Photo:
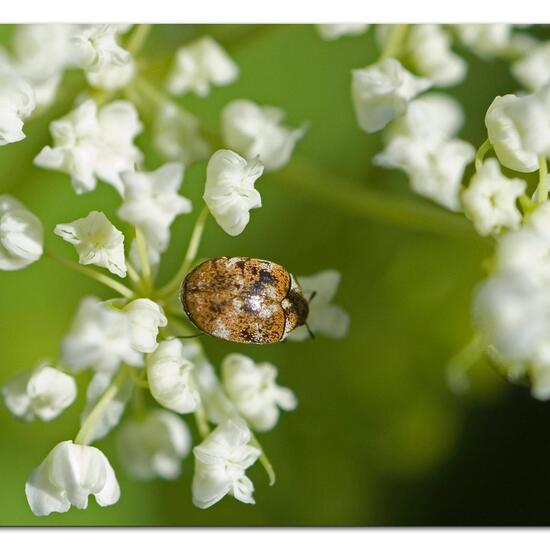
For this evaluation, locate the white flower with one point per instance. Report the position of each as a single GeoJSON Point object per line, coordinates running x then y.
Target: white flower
{"type": "Point", "coordinates": [97, 242]}
{"type": "Point", "coordinates": [253, 389]}
{"type": "Point", "coordinates": [145, 317]}
{"type": "Point", "coordinates": [324, 317]}
{"type": "Point", "coordinates": [200, 65]}
{"type": "Point", "coordinates": [381, 92]}
{"type": "Point", "coordinates": [17, 102]}
{"type": "Point", "coordinates": [88, 144]}
{"type": "Point", "coordinates": [176, 135]}
{"type": "Point", "coordinates": [43, 392]}
{"type": "Point", "coordinates": [113, 411]}
{"type": "Point", "coordinates": [229, 191]}
{"type": "Point", "coordinates": [112, 77]}
{"type": "Point", "coordinates": [255, 131]}
{"type": "Point", "coordinates": [221, 461]}
{"type": "Point", "coordinates": [486, 40]}
{"type": "Point", "coordinates": [96, 47]}
{"type": "Point", "coordinates": [170, 378]}
{"type": "Point", "coordinates": [68, 476]}
{"type": "Point", "coordinates": [21, 236]}
{"type": "Point", "coordinates": [533, 70]}
{"type": "Point", "coordinates": [154, 445]}
{"type": "Point", "coordinates": [435, 169]}
{"type": "Point", "coordinates": [428, 47]}
{"type": "Point", "coordinates": [100, 338]}
{"type": "Point", "coordinates": [519, 129]}
{"type": "Point", "coordinates": [490, 200]}
{"type": "Point", "coordinates": [332, 31]}
{"type": "Point", "coordinates": [151, 202]}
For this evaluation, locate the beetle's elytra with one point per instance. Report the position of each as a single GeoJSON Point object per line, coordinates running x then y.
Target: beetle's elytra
{"type": "Point", "coordinates": [243, 300]}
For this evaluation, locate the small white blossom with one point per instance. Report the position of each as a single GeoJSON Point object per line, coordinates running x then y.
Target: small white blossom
{"type": "Point", "coordinates": [490, 199]}
{"type": "Point", "coordinates": [169, 374]}
{"type": "Point", "coordinates": [229, 191]}
{"type": "Point", "coordinates": [486, 40]}
{"type": "Point", "coordinates": [435, 170]}
{"type": "Point", "coordinates": [113, 411]}
{"type": "Point", "coordinates": [21, 236]}
{"type": "Point", "coordinates": [533, 70]}
{"type": "Point", "coordinates": [253, 390]}
{"type": "Point", "coordinates": [255, 131]}
{"type": "Point", "coordinates": [151, 202]}
{"type": "Point", "coordinates": [90, 144]}
{"type": "Point", "coordinates": [519, 129]}
{"type": "Point", "coordinates": [200, 65]}
{"type": "Point", "coordinates": [43, 392]}
{"type": "Point", "coordinates": [112, 77]}
{"type": "Point", "coordinates": [17, 102]}
{"type": "Point", "coordinates": [96, 47]}
{"type": "Point", "coordinates": [97, 242]}
{"type": "Point", "coordinates": [68, 476]}
{"type": "Point", "coordinates": [428, 47]}
{"type": "Point", "coordinates": [100, 338]}
{"type": "Point", "coordinates": [221, 461]}
{"type": "Point", "coordinates": [176, 134]}
{"type": "Point", "coordinates": [381, 92]}
{"type": "Point", "coordinates": [332, 31]}
{"type": "Point", "coordinates": [145, 317]}
{"type": "Point", "coordinates": [324, 317]}
{"type": "Point", "coordinates": [154, 445]}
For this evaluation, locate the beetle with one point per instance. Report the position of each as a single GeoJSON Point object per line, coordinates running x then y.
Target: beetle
{"type": "Point", "coordinates": [243, 300]}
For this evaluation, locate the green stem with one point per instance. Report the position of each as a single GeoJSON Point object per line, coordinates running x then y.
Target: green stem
{"type": "Point", "coordinates": [315, 184]}
{"type": "Point", "coordinates": [268, 467]}
{"type": "Point", "coordinates": [202, 421]}
{"type": "Point", "coordinates": [190, 255]}
{"type": "Point", "coordinates": [461, 363]}
{"type": "Point", "coordinates": [99, 277]}
{"type": "Point", "coordinates": [144, 259]}
{"type": "Point", "coordinates": [395, 41]}
{"type": "Point", "coordinates": [137, 38]}
{"type": "Point", "coordinates": [484, 148]}
{"type": "Point", "coordinates": [86, 430]}
{"type": "Point", "coordinates": [542, 189]}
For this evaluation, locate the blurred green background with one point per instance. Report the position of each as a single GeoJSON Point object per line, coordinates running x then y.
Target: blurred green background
{"type": "Point", "coordinates": [378, 438]}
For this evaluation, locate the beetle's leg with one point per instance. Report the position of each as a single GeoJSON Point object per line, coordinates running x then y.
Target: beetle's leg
{"type": "Point", "coordinates": [198, 335]}
{"type": "Point", "coordinates": [310, 332]}
{"type": "Point", "coordinates": [313, 294]}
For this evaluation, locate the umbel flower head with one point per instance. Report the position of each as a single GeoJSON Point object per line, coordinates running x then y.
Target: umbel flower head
{"type": "Point", "coordinates": [229, 191]}
{"type": "Point", "coordinates": [21, 239]}
{"type": "Point", "coordinates": [68, 476]}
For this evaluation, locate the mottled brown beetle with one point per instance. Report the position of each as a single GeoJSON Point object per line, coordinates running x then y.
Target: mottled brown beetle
{"type": "Point", "coordinates": [243, 300]}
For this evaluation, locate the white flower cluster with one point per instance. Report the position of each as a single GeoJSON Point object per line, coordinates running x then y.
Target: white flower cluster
{"type": "Point", "coordinates": [131, 343]}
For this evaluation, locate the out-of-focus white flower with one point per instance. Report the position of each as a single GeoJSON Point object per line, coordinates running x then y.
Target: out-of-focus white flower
{"type": "Point", "coordinates": [253, 389]}
{"type": "Point", "coordinates": [435, 170]}
{"type": "Point", "coordinates": [96, 47]}
{"type": "Point", "coordinates": [151, 202]}
{"type": "Point", "coordinates": [88, 144]}
{"type": "Point", "coordinates": [533, 70]}
{"type": "Point", "coordinates": [200, 65]}
{"type": "Point", "coordinates": [324, 317]}
{"type": "Point", "coordinates": [429, 49]}
{"type": "Point", "coordinates": [112, 412]}
{"type": "Point", "coordinates": [43, 392]}
{"type": "Point", "coordinates": [97, 242]}
{"type": "Point", "coordinates": [169, 374]}
{"type": "Point", "coordinates": [221, 461]}
{"type": "Point", "coordinates": [176, 134]}
{"type": "Point", "coordinates": [332, 31]}
{"type": "Point", "coordinates": [100, 338]}
{"type": "Point", "coordinates": [68, 476]}
{"type": "Point", "coordinates": [486, 40]}
{"type": "Point", "coordinates": [21, 235]}
{"type": "Point", "coordinates": [255, 131]}
{"type": "Point", "coordinates": [154, 446]}
{"type": "Point", "coordinates": [381, 92]}
{"type": "Point", "coordinates": [145, 318]}
{"type": "Point", "coordinates": [490, 199]}
{"type": "Point", "coordinates": [17, 102]}
{"type": "Point", "coordinates": [112, 77]}
{"type": "Point", "coordinates": [229, 191]}
{"type": "Point", "coordinates": [519, 129]}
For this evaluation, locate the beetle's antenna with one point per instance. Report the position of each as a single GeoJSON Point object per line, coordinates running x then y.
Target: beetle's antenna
{"type": "Point", "coordinates": [313, 294]}
{"type": "Point", "coordinates": [310, 332]}
{"type": "Point", "coordinates": [198, 335]}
